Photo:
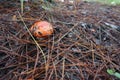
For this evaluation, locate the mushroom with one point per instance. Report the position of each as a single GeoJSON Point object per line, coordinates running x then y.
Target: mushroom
{"type": "Point", "coordinates": [41, 29]}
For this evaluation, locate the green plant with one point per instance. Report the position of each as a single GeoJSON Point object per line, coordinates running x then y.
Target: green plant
{"type": "Point", "coordinates": [113, 72]}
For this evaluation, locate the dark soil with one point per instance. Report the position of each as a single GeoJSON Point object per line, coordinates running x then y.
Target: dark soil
{"type": "Point", "coordinates": [85, 43]}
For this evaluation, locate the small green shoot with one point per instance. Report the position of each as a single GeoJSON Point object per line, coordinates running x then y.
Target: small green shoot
{"type": "Point", "coordinates": [113, 72]}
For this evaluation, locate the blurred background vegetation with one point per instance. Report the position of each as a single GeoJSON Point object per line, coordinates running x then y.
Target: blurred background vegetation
{"type": "Point", "coordinates": [109, 2]}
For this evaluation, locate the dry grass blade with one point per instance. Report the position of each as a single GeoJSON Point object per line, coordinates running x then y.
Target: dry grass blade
{"type": "Point", "coordinates": [33, 37]}
{"type": "Point", "coordinates": [63, 69]}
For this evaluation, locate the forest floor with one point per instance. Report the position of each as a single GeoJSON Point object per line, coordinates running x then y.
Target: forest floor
{"type": "Point", "coordinates": [85, 43]}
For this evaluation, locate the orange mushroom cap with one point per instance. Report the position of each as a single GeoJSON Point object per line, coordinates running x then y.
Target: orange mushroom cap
{"type": "Point", "coordinates": [41, 29]}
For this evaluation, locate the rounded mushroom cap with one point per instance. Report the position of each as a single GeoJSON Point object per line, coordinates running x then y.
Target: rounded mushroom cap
{"type": "Point", "coordinates": [41, 29]}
